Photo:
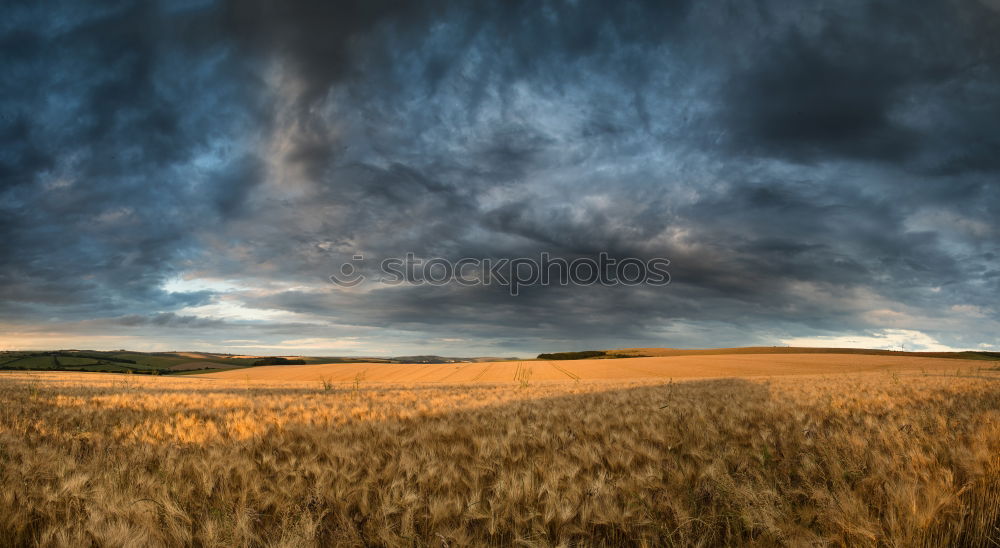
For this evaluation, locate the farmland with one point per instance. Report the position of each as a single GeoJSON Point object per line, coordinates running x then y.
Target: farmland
{"type": "Point", "coordinates": [173, 363]}
{"type": "Point", "coordinates": [650, 368]}
{"type": "Point", "coordinates": [118, 361]}
{"type": "Point", "coordinates": [876, 452]}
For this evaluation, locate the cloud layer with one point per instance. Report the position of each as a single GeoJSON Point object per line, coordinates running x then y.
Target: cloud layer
{"type": "Point", "coordinates": [183, 174]}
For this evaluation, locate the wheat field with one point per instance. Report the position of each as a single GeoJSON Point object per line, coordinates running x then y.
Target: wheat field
{"type": "Point", "coordinates": [649, 368]}
{"type": "Point", "coordinates": [889, 458]}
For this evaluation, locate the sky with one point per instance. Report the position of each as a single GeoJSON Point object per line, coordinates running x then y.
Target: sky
{"type": "Point", "coordinates": [187, 175]}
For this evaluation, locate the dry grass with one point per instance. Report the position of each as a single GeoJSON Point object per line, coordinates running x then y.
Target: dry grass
{"type": "Point", "coordinates": [865, 459]}
{"type": "Point", "coordinates": [665, 368]}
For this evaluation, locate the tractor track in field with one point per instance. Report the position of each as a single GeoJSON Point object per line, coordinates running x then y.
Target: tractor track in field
{"type": "Point", "coordinates": [481, 373]}
{"type": "Point", "coordinates": [565, 371]}
{"type": "Point", "coordinates": [454, 371]}
{"type": "Point", "coordinates": [522, 373]}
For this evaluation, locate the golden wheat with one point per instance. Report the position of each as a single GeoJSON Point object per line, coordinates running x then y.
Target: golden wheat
{"type": "Point", "coordinates": [662, 367]}
{"type": "Point", "coordinates": [890, 459]}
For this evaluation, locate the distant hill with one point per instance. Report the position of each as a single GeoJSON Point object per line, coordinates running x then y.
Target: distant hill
{"type": "Point", "coordinates": [182, 363]}
{"type": "Point", "coordinates": [444, 359]}
{"type": "Point", "coordinates": [122, 361]}
{"type": "Point", "coordinates": [581, 355]}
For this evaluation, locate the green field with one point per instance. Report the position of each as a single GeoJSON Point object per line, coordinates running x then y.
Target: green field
{"type": "Point", "coordinates": [32, 362]}
{"type": "Point", "coordinates": [118, 361]}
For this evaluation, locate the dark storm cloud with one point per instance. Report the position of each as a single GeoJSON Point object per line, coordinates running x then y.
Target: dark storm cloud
{"type": "Point", "coordinates": [874, 82]}
{"type": "Point", "coordinates": [803, 101]}
{"type": "Point", "coordinates": [103, 109]}
{"type": "Point", "coordinates": [807, 169]}
{"type": "Point", "coordinates": [167, 319]}
{"type": "Point", "coordinates": [327, 42]}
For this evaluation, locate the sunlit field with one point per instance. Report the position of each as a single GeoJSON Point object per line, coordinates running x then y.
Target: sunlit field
{"type": "Point", "coordinates": [649, 368]}
{"type": "Point", "coordinates": [891, 458]}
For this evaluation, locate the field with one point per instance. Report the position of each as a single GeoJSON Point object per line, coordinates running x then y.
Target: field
{"type": "Point", "coordinates": [898, 455]}
{"type": "Point", "coordinates": [651, 368]}
{"type": "Point", "coordinates": [121, 361]}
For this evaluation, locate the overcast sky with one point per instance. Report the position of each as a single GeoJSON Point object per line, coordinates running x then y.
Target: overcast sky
{"type": "Point", "coordinates": [187, 174]}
